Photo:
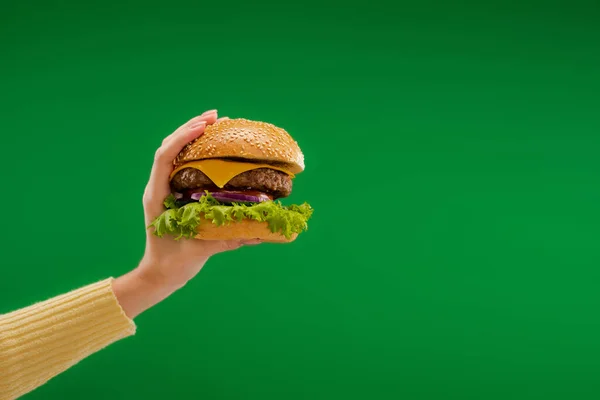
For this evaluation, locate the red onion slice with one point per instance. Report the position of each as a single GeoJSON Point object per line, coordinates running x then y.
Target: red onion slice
{"type": "Point", "coordinates": [233, 197]}
{"type": "Point", "coordinates": [196, 196]}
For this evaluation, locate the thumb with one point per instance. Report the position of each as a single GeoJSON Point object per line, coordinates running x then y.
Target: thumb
{"type": "Point", "coordinates": [221, 246]}
{"type": "Point", "coordinates": [251, 242]}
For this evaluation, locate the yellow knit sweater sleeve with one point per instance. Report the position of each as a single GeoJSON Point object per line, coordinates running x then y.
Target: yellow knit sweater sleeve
{"type": "Point", "coordinates": [40, 341]}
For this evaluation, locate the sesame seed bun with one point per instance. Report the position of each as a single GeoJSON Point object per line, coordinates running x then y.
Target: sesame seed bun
{"type": "Point", "coordinates": [245, 139]}
{"type": "Point", "coordinates": [242, 230]}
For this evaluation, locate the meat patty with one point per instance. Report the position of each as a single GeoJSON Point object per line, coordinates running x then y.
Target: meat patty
{"type": "Point", "coordinates": [276, 183]}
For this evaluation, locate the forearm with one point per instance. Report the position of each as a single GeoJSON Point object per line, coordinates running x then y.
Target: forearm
{"type": "Point", "coordinates": [43, 340]}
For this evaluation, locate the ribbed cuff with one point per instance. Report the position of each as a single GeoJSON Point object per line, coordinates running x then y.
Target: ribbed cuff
{"type": "Point", "coordinates": [43, 340]}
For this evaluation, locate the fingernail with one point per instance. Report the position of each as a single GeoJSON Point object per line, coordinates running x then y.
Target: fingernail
{"type": "Point", "coordinates": [198, 124]}
{"type": "Point", "coordinates": [209, 112]}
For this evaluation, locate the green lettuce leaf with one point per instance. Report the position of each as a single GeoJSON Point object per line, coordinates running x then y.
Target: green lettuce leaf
{"type": "Point", "coordinates": [171, 202]}
{"type": "Point", "coordinates": [182, 222]}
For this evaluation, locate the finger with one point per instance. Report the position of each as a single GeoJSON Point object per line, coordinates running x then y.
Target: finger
{"type": "Point", "coordinates": [185, 135]}
{"type": "Point", "coordinates": [209, 111]}
{"type": "Point", "coordinates": [209, 116]}
{"type": "Point", "coordinates": [205, 116]}
{"type": "Point", "coordinates": [222, 119]}
{"type": "Point", "coordinates": [158, 185]}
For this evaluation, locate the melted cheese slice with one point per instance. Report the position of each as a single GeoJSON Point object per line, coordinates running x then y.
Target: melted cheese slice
{"type": "Point", "coordinates": [221, 171]}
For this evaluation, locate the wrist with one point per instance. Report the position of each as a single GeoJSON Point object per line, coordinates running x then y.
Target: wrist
{"type": "Point", "coordinates": [140, 289]}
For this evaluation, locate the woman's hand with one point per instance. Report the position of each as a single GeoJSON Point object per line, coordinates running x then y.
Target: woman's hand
{"type": "Point", "coordinates": [167, 264]}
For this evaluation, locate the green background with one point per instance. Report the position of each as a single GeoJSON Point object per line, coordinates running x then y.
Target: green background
{"type": "Point", "coordinates": [452, 160]}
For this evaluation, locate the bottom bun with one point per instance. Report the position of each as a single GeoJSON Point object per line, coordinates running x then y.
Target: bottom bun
{"type": "Point", "coordinates": [244, 230]}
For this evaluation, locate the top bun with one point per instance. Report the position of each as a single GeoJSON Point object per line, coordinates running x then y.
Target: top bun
{"type": "Point", "coordinates": [244, 139]}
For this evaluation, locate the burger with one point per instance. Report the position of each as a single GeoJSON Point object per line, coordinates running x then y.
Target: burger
{"type": "Point", "coordinates": [229, 182]}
